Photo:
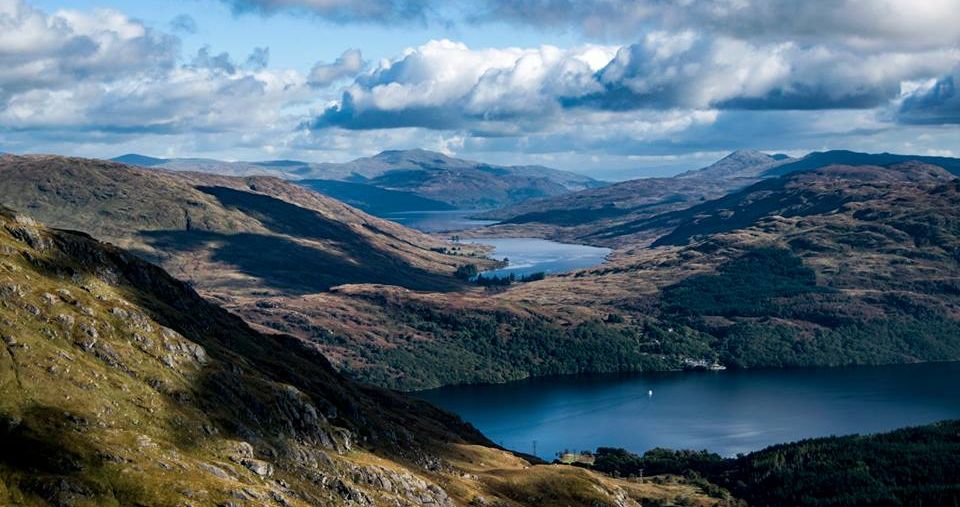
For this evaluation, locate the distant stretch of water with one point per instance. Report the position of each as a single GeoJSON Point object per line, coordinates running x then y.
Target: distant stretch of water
{"type": "Point", "coordinates": [727, 412]}
{"type": "Point", "coordinates": [526, 255]}
{"type": "Point", "coordinates": [530, 255]}
{"type": "Point", "coordinates": [438, 221]}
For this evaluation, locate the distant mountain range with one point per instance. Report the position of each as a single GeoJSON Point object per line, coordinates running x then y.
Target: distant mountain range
{"type": "Point", "coordinates": [411, 180]}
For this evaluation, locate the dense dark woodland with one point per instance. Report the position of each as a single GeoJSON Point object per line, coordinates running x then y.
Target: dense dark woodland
{"type": "Point", "coordinates": [911, 466]}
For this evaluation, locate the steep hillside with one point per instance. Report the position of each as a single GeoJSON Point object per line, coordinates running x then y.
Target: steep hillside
{"type": "Point", "coordinates": [121, 386]}
{"type": "Point", "coordinates": [270, 250]}
{"type": "Point", "coordinates": [636, 212]}
{"type": "Point", "coordinates": [234, 235]}
{"type": "Point", "coordinates": [417, 173]}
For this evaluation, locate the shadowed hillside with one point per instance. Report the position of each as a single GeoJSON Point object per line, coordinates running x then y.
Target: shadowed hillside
{"type": "Point", "coordinates": [814, 193]}
{"type": "Point", "coordinates": [375, 200]}
{"type": "Point", "coordinates": [237, 235]}
{"type": "Point", "coordinates": [121, 386]}
{"type": "Point", "coordinates": [821, 159]}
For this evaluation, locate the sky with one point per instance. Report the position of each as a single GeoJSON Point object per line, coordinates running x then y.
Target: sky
{"type": "Point", "coordinates": [609, 88]}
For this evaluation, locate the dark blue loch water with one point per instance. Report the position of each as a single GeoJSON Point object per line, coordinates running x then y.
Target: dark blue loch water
{"type": "Point", "coordinates": [728, 412]}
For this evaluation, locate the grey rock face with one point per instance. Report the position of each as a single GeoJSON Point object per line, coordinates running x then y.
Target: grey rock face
{"type": "Point", "coordinates": [402, 484]}
{"type": "Point", "coordinates": [26, 230]}
{"type": "Point", "coordinates": [259, 467]}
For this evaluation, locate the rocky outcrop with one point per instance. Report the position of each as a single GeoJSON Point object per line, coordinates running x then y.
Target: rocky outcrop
{"type": "Point", "coordinates": [404, 485]}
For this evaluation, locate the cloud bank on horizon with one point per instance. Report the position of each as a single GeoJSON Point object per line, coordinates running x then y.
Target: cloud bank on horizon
{"type": "Point", "coordinates": [653, 82]}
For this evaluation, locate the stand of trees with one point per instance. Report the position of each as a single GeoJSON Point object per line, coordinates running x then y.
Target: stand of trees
{"type": "Point", "coordinates": [911, 466]}
{"type": "Point", "coordinates": [466, 272]}
{"type": "Point", "coordinates": [469, 272]}
{"type": "Point", "coordinates": [502, 281]}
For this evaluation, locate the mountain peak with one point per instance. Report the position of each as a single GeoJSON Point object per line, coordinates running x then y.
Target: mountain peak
{"type": "Point", "coordinates": [749, 155]}
{"type": "Point", "coordinates": [416, 155]}
{"type": "Point", "coordinates": [411, 151]}
{"type": "Point", "coordinates": [739, 164]}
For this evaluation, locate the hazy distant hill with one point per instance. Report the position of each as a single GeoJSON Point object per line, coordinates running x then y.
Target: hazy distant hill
{"type": "Point", "coordinates": [738, 168]}
{"type": "Point", "coordinates": [141, 160]}
{"type": "Point", "coordinates": [375, 200]}
{"type": "Point", "coordinates": [420, 173]}
{"type": "Point", "coordinates": [740, 164]}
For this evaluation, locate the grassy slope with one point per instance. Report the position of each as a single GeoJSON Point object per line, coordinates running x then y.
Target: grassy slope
{"type": "Point", "coordinates": [121, 386]}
